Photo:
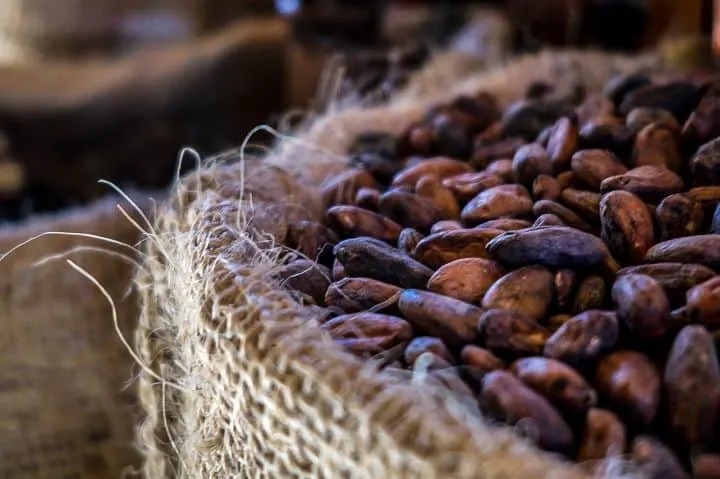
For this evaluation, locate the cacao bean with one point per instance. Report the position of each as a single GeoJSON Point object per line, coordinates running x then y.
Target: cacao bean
{"type": "Point", "coordinates": [509, 333]}
{"type": "Point", "coordinates": [530, 161]}
{"type": "Point", "coordinates": [641, 117]}
{"type": "Point", "coordinates": [528, 291]}
{"type": "Point", "coordinates": [678, 215]}
{"type": "Point", "coordinates": [564, 282]}
{"type": "Point", "coordinates": [438, 168]}
{"type": "Point", "coordinates": [446, 225]}
{"type": "Point", "coordinates": [497, 202]}
{"type": "Point", "coordinates": [427, 344]}
{"type": "Point", "coordinates": [656, 461]}
{"type": "Point", "coordinates": [501, 168]}
{"type": "Point", "coordinates": [641, 304]}
{"type": "Point", "coordinates": [703, 301]}
{"type": "Point", "coordinates": [603, 437]}
{"type": "Point", "coordinates": [584, 338]}
{"type": "Point", "coordinates": [590, 294]}
{"type": "Point", "coordinates": [368, 334]}
{"type": "Point", "coordinates": [545, 187]}
{"type": "Point", "coordinates": [351, 221]}
{"type": "Point", "coordinates": [307, 277]}
{"type": "Point", "coordinates": [505, 224]}
{"type": "Point", "coordinates": [567, 217]}
{"type": "Point", "coordinates": [679, 98]}
{"type": "Point", "coordinates": [556, 382]}
{"type": "Point", "coordinates": [367, 198]}
{"type": "Point", "coordinates": [408, 240]}
{"type": "Point", "coordinates": [591, 167]}
{"type": "Point", "coordinates": [552, 247]}
{"type": "Point", "coordinates": [627, 226]}
{"type": "Point", "coordinates": [547, 220]}
{"type": "Point", "coordinates": [468, 185]}
{"type": "Point", "coordinates": [354, 295]}
{"type": "Point", "coordinates": [657, 145]}
{"type": "Point", "coordinates": [342, 189]}
{"type": "Point", "coordinates": [442, 197]}
{"type": "Point", "coordinates": [692, 385]}
{"type": "Point", "coordinates": [675, 278]}
{"type": "Point", "coordinates": [585, 203]}
{"type": "Point", "coordinates": [466, 279]}
{"type": "Point", "coordinates": [371, 259]}
{"type": "Point", "coordinates": [650, 183]}
{"type": "Point", "coordinates": [410, 210]}
{"type": "Point", "coordinates": [312, 240]}
{"type": "Point", "coordinates": [630, 382]}
{"type": "Point", "coordinates": [506, 399]}
{"type": "Point", "coordinates": [442, 248]}
{"type": "Point", "coordinates": [706, 466]}
{"type": "Point", "coordinates": [699, 249]}
{"type": "Point", "coordinates": [705, 164]}
{"type": "Point", "coordinates": [562, 143]}
{"type": "Point", "coordinates": [449, 319]}
{"type": "Point", "coordinates": [487, 154]}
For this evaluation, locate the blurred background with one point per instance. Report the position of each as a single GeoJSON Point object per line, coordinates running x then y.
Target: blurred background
{"type": "Point", "coordinates": [114, 88]}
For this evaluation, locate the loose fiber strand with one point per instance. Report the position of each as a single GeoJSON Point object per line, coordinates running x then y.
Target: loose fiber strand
{"type": "Point", "coordinates": [71, 234]}
{"type": "Point", "coordinates": [116, 324]}
{"type": "Point", "coordinates": [88, 249]}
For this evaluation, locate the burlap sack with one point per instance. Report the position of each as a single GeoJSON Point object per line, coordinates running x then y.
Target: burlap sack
{"type": "Point", "coordinates": [66, 410]}
{"type": "Point", "coordinates": [239, 381]}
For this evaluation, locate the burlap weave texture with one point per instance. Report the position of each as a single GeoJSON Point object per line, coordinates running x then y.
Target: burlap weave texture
{"type": "Point", "coordinates": [244, 384]}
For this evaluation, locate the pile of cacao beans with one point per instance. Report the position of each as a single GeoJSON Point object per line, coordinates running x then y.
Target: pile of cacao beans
{"type": "Point", "coordinates": [556, 260]}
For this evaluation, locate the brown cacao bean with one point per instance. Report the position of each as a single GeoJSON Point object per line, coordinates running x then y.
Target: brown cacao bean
{"type": "Point", "coordinates": [367, 198]}
{"type": "Point", "coordinates": [703, 301]}
{"type": "Point", "coordinates": [603, 437]}
{"type": "Point", "coordinates": [529, 162]}
{"type": "Point", "coordinates": [699, 249]}
{"type": "Point", "coordinates": [442, 197]}
{"type": "Point", "coordinates": [487, 154]}
{"type": "Point", "coordinates": [585, 203]}
{"type": "Point", "coordinates": [505, 398]}
{"type": "Point", "coordinates": [427, 344]}
{"type": "Point", "coordinates": [368, 334]}
{"type": "Point", "coordinates": [627, 226]}
{"type": "Point", "coordinates": [410, 210]}
{"type": "Point", "coordinates": [657, 145]}
{"type": "Point", "coordinates": [408, 240]}
{"type": "Point", "coordinates": [590, 294]}
{"type": "Point", "coordinates": [545, 187]}
{"type": "Point", "coordinates": [505, 224]}
{"type": "Point", "coordinates": [584, 338]}
{"type": "Point", "coordinates": [449, 319]}
{"type": "Point", "coordinates": [641, 117]}
{"type": "Point", "coordinates": [351, 221]}
{"type": "Point", "coordinates": [705, 164]}
{"type": "Point", "coordinates": [442, 248]}
{"type": "Point", "coordinates": [501, 168]}
{"type": "Point", "coordinates": [692, 385]}
{"type": "Point", "coordinates": [468, 185]}
{"type": "Point", "coordinates": [438, 168]}
{"type": "Point", "coordinates": [342, 189]}
{"type": "Point", "coordinates": [547, 219]}
{"type": "Point", "coordinates": [562, 143]}
{"type": "Point", "coordinates": [656, 461]}
{"type": "Point", "coordinates": [591, 167]}
{"type": "Point", "coordinates": [372, 259]}
{"type": "Point", "coordinates": [630, 382]}
{"type": "Point", "coordinates": [509, 333]}
{"type": "Point", "coordinates": [567, 216]}
{"type": "Point", "coordinates": [497, 202]}
{"type": "Point", "coordinates": [642, 305]}
{"type": "Point", "coordinates": [556, 382]}
{"type": "Point", "coordinates": [445, 225]}
{"type": "Point", "coordinates": [354, 295]}
{"type": "Point", "coordinates": [307, 277]}
{"type": "Point", "coordinates": [675, 278]}
{"type": "Point", "coordinates": [312, 240]}
{"type": "Point", "coordinates": [338, 271]}
{"type": "Point", "coordinates": [678, 215]}
{"type": "Point", "coordinates": [528, 291]}
{"type": "Point", "coordinates": [480, 361]}
{"type": "Point", "coordinates": [466, 279]}
{"type": "Point", "coordinates": [650, 183]}
{"type": "Point", "coordinates": [564, 282]}
{"type": "Point", "coordinates": [552, 247]}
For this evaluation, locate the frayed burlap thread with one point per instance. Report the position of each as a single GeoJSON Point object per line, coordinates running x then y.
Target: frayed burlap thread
{"type": "Point", "coordinates": [244, 383]}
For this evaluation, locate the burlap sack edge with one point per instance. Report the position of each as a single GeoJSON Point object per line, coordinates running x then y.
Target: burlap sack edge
{"type": "Point", "coordinates": [250, 386]}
